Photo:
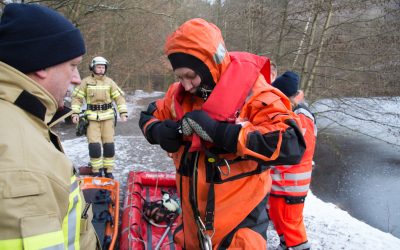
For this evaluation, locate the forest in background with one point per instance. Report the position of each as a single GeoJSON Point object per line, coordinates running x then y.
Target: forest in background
{"type": "Point", "coordinates": [341, 48]}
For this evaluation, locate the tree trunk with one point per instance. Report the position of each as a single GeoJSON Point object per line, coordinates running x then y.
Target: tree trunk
{"type": "Point", "coordinates": [281, 33]}
{"type": "Point", "coordinates": [305, 69]}
{"type": "Point", "coordinates": [310, 83]}
{"type": "Point", "coordinates": [302, 41]}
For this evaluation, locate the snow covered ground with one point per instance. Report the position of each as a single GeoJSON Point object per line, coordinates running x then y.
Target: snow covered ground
{"type": "Point", "coordinates": [328, 226]}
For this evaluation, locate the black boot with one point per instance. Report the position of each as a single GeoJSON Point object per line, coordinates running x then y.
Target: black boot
{"type": "Point", "coordinates": [108, 175]}
{"type": "Point", "coordinates": [282, 245]}
{"type": "Point", "coordinates": [99, 174]}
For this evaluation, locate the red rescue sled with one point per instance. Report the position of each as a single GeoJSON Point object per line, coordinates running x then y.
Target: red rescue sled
{"type": "Point", "coordinates": [144, 192]}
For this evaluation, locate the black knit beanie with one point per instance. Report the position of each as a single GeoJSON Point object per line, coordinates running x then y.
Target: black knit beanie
{"type": "Point", "coordinates": [288, 83]}
{"type": "Point", "coordinates": [179, 60]}
{"type": "Point", "coordinates": [34, 37]}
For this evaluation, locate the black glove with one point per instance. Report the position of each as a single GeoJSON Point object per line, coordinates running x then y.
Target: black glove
{"type": "Point", "coordinates": [224, 135]}
{"type": "Point", "coordinates": [166, 133]}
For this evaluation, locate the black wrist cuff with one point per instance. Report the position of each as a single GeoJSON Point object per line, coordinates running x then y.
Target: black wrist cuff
{"type": "Point", "coordinates": [227, 136]}
{"type": "Point", "coordinates": [151, 133]}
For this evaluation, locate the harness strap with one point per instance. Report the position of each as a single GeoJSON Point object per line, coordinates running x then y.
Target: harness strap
{"type": "Point", "coordinates": [210, 208]}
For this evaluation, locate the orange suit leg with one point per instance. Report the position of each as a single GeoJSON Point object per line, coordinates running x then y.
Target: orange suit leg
{"type": "Point", "coordinates": [288, 220]}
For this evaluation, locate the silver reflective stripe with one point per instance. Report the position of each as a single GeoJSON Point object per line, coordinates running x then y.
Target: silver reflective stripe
{"type": "Point", "coordinates": [72, 225]}
{"type": "Point", "coordinates": [304, 112]}
{"type": "Point", "coordinates": [56, 247]}
{"type": "Point", "coordinates": [291, 176]}
{"type": "Point", "coordinates": [298, 176]}
{"type": "Point", "coordinates": [220, 54]}
{"type": "Point", "coordinates": [303, 188]}
{"type": "Point", "coordinates": [315, 130]}
{"type": "Point", "coordinates": [74, 185]}
{"type": "Point", "coordinates": [72, 217]}
{"type": "Point", "coordinates": [276, 177]}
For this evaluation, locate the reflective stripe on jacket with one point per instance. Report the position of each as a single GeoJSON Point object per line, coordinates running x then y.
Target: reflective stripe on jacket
{"type": "Point", "coordinates": [37, 185]}
{"type": "Point", "coordinates": [98, 90]}
{"type": "Point", "coordinates": [294, 180]}
{"type": "Point", "coordinates": [68, 236]}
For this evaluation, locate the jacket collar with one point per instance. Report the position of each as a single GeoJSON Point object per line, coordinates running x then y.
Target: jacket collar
{"type": "Point", "coordinates": [25, 93]}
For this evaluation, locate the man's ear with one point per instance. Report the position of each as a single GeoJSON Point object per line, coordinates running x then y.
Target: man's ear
{"type": "Point", "coordinates": [38, 75]}
{"type": "Point", "coordinates": [299, 97]}
{"type": "Point", "coordinates": [42, 74]}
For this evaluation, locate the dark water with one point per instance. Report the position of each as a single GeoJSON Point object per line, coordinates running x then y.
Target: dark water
{"type": "Point", "coordinates": [360, 175]}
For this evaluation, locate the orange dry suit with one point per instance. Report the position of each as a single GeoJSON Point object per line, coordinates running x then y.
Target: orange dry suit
{"type": "Point", "coordinates": [223, 195]}
{"type": "Point", "coordinates": [99, 92]}
{"type": "Point", "coordinates": [290, 185]}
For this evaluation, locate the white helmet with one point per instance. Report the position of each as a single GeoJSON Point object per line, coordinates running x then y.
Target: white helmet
{"type": "Point", "coordinates": [98, 60]}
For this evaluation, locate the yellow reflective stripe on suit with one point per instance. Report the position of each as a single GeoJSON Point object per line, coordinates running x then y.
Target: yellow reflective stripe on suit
{"type": "Point", "coordinates": [53, 240]}
{"type": "Point", "coordinates": [11, 244]}
{"type": "Point", "coordinates": [78, 92]}
{"type": "Point", "coordinates": [71, 223]}
{"type": "Point", "coordinates": [122, 108]}
{"type": "Point", "coordinates": [100, 115]}
{"type": "Point", "coordinates": [98, 87]}
{"type": "Point", "coordinates": [67, 238]}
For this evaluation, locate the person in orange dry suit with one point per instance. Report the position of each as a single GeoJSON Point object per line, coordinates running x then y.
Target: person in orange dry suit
{"type": "Point", "coordinates": [224, 125]}
{"type": "Point", "coordinates": [290, 183]}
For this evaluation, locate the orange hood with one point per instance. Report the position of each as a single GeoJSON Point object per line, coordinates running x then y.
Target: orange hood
{"type": "Point", "coordinates": [202, 40]}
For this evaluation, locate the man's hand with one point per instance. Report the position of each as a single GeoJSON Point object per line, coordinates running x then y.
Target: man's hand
{"type": "Point", "coordinates": [222, 134]}
{"type": "Point", "coordinates": [124, 117]}
{"type": "Point", "coordinates": [166, 133]}
{"type": "Point", "coordinates": [75, 118]}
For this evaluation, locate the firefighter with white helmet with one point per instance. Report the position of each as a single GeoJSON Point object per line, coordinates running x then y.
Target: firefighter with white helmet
{"type": "Point", "coordinates": [99, 93]}
{"type": "Point", "coordinates": [98, 60]}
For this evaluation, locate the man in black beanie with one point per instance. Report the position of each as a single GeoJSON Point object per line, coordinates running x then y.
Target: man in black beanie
{"type": "Point", "coordinates": [290, 185]}
{"type": "Point", "coordinates": [288, 83]}
{"type": "Point", "coordinates": [41, 203]}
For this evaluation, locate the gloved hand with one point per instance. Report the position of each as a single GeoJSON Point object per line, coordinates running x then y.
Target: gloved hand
{"type": "Point", "coordinates": [224, 135]}
{"type": "Point", "coordinates": [166, 133]}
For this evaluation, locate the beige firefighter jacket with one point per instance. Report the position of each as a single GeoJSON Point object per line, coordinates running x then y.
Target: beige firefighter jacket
{"type": "Point", "coordinates": [98, 90]}
{"type": "Point", "coordinates": [40, 200]}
